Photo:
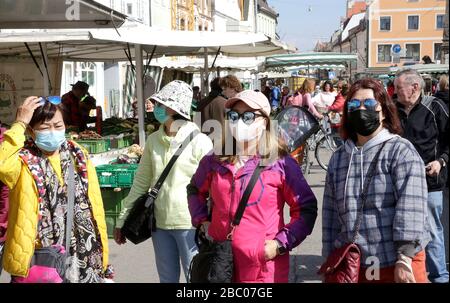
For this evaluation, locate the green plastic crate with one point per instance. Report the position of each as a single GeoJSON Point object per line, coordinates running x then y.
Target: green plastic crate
{"type": "Point", "coordinates": [116, 175]}
{"type": "Point", "coordinates": [125, 141]}
{"type": "Point", "coordinates": [112, 199]}
{"type": "Point", "coordinates": [95, 146]}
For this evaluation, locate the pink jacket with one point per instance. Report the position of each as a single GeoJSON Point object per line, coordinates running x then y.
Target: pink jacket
{"type": "Point", "coordinates": [263, 218]}
{"type": "Point", "coordinates": [307, 102]}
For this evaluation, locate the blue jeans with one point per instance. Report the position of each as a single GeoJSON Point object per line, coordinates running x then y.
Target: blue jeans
{"type": "Point", "coordinates": [170, 246]}
{"type": "Point", "coordinates": [435, 250]}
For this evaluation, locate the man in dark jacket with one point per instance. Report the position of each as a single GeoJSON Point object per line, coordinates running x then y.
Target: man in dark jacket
{"type": "Point", "coordinates": [425, 123]}
{"type": "Point", "coordinates": [212, 108]}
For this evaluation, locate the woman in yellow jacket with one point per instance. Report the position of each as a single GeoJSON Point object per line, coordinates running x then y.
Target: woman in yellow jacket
{"type": "Point", "coordinates": [36, 172]}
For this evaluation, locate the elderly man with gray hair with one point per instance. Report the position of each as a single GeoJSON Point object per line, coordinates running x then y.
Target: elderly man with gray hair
{"type": "Point", "coordinates": [425, 123]}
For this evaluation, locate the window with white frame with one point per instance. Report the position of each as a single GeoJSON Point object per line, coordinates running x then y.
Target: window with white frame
{"type": "Point", "coordinates": [413, 22]}
{"type": "Point", "coordinates": [129, 8]}
{"type": "Point", "coordinates": [384, 53]}
{"type": "Point", "coordinates": [437, 51]}
{"type": "Point", "coordinates": [413, 51]}
{"type": "Point", "coordinates": [440, 21]}
{"type": "Point", "coordinates": [385, 23]}
{"type": "Point", "coordinates": [88, 73]}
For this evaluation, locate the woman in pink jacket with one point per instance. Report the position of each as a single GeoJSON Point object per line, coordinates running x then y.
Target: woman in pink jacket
{"type": "Point", "coordinates": [262, 240]}
{"type": "Point", "coordinates": [303, 98]}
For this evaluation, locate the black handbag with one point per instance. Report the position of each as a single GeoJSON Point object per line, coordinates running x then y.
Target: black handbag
{"type": "Point", "coordinates": [214, 261]}
{"type": "Point", "coordinates": [140, 222]}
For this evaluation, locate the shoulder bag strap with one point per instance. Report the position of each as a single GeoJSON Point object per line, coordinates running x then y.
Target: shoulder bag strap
{"type": "Point", "coordinates": [246, 195]}
{"type": "Point", "coordinates": [155, 189]}
{"type": "Point", "coordinates": [363, 196]}
{"type": "Point", "coordinates": [70, 204]}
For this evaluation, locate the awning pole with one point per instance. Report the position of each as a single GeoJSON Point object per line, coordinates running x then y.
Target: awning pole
{"type": "Point", "coordinates": [47, 85]}
{"type": "Point", "coordinates": [215, 58]}
{"type": "Point", "coordinates": [206, 78]}
{"type": "Point", "coordinates": [34, 58]}
{"type": "Point", "coordinates": [140, 93]}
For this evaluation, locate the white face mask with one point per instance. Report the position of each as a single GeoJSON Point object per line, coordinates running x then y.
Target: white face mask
{"type": "Point", "coordinates": [245, 133]}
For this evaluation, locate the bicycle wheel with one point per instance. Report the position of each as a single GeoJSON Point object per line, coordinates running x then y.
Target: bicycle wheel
{"type": "Point", "coordinates": [324, 149]}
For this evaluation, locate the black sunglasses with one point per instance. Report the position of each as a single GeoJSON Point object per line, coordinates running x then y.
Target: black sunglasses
{"type": "Point", "coordinates": [247, 117]}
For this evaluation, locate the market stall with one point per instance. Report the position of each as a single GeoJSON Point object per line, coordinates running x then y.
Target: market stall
{"type": "Point", "coordinates": [111, 144]}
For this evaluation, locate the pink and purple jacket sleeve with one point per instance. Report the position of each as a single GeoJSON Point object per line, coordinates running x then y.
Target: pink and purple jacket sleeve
{"type": "Point", "coordinates": [303, 206]}
{"type": "Point", "coordinates": [198, 192]}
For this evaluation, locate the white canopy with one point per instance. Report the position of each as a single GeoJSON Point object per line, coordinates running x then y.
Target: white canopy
{"type": "Point", "coordinates": [194, 64]}
{"type": "Point", "coordinates": [112, 45]}
{"type": "Point", "coordinates": [109, 44]}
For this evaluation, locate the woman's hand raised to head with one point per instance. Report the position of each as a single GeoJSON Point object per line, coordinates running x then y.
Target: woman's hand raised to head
{"type": "Point", "coordinates": [26, 110]}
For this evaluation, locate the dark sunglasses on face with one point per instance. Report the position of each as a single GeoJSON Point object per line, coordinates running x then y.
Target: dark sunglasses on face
{"type": "Point", "coordinates": [247, 117]}
{"type": "Point", "coordinates": [369, 104]}
{"type": "Point", "coordinates": [52, 99]}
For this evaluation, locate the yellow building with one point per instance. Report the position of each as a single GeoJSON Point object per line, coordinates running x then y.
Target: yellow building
{"type": "Point", "coordinates": [414, 27]}
{"type": "Point", "coordinates": [191, 15]}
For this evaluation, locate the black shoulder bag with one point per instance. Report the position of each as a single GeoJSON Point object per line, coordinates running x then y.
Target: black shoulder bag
{"type": "Point", "coordinates": [214, 261]}
{"type": "Point", "coordinates": [140, 222]}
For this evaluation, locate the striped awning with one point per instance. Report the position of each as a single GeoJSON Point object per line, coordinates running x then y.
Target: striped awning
{"type": "Point", "coordinates": [316, 59]}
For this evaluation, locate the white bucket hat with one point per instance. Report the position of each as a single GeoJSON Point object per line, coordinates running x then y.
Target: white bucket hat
{"type": "Point", "coordinates": [176, 95]}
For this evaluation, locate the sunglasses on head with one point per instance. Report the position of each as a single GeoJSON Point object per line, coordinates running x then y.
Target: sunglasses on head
{"type": "Point", "coordinates": [369, 104]}
{"type": "Point", "coordinates": [52, 99]}
{"type": "Point", "coordinates": [247, 117]}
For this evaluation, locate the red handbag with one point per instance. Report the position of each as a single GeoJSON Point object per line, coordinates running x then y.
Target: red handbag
{"type": "Point", "coordinates": [343, 264]}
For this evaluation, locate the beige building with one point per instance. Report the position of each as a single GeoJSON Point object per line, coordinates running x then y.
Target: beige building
{"type": "Point", "coordinates": [404, 30]}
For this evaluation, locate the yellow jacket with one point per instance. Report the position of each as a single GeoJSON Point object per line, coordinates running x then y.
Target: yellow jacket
{"type": "Point", "coordinates": [23, 204]}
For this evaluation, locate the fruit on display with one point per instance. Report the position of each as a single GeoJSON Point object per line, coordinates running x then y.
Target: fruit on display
{"type": "Point", "coordinates": [89, 135]}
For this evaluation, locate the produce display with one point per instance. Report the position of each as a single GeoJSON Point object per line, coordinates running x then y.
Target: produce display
{"type": "Point", "coordinates": [116, 126]}
{"type": "Point", "coordinates": [89, 135]}
{"type": "Point", "coordinates": [133, 155]}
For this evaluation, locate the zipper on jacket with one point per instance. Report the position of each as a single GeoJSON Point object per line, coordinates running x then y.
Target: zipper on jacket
{"type": "Point", "coordinates": [230, 218]}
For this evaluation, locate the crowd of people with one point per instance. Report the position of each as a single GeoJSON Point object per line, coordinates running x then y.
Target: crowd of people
{"type": "Point", "coordinates": [393, 216]}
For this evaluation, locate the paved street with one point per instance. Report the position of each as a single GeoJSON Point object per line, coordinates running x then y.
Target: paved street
{"type": "Point", "coordinates": [136, 263]}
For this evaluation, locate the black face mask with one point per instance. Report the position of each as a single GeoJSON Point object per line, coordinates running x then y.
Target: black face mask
{"type": "Point", "coordinates": [364, 122]}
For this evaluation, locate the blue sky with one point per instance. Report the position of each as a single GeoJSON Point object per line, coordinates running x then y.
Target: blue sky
{"type": "Point", "coordinates": [303, 22]}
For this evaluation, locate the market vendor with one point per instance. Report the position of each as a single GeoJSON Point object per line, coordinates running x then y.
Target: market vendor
{"type": "Point", "coordinates": [78, 104]}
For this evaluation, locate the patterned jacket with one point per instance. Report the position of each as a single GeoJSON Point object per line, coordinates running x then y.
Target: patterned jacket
{"type": "Point", "coordinates": [395, 213]}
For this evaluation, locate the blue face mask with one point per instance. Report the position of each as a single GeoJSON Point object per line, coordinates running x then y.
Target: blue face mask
{"type": "Point", "coordinates": [50, 141]}
{"type": "Point", "coordinates": [160, 114]}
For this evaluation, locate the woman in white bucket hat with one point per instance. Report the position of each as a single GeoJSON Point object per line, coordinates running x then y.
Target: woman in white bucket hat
{"type": "Point", "coordinates": [173, 239]}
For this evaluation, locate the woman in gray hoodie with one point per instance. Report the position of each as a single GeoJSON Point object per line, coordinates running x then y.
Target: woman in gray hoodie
{"type": "Point", "coordinates": [394, 229]}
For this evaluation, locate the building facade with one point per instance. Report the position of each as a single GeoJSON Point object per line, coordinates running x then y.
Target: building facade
{"type": "Point", "coordinates": [414, 27]}
{"type": "Point", "coordinates": [191, 15]}
{"type": "Point", "coordinates": [267, 19]}
{"type": "Point", "coordinates": [444, 49]}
